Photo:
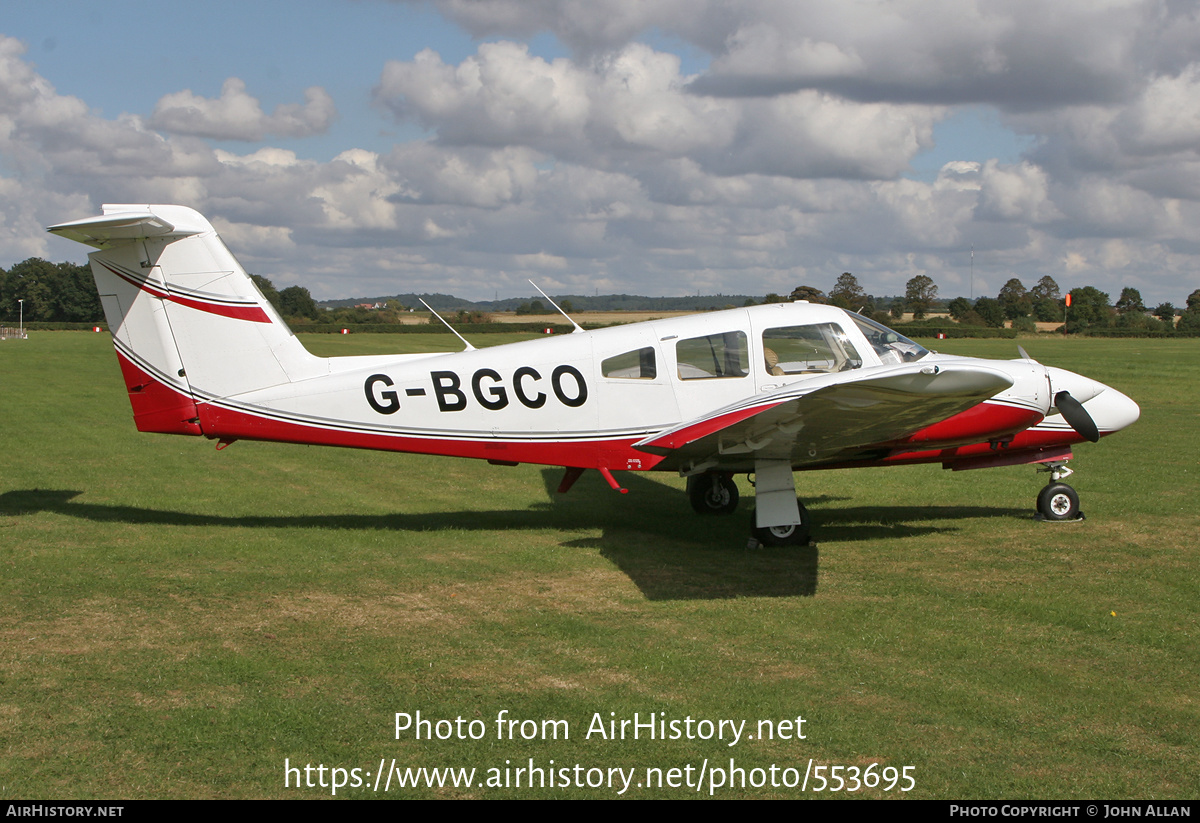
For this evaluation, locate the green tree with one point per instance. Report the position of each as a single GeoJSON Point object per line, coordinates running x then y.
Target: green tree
{"type": "Point", "coordinates": [1166, 313]}
{"type": "Point", "coordinates": [1189, 321]}
{"type": "Point", "coordinates": [1015, 300]}
{"type": "Point", "coordinates": [295, 301]}
{"type": "Point", "coordinates": [50, 291]}
{"type": "Point", "coordinates": [919, 294]}
{"type": "Point", "coordinates": [1046, 288]}
{"type": "Point", "coordinates": [847, 294]}
{"type": "Point", "coordinates": [991, 311]}
{"type": "Point", "coordinates": [1130, 302]}
{"type": "Point", "coordinates": [1047, 300]}
{"type": "Point", "coordinates": [809, 293]}
{"type": "Point", "coordinates": [959, 308]}
{"type": "Point", "coordinates": [1048, 310]}
{"type": "Point", "coordinates": [772, 297]}
{"type": "Point", "coordinates": [1090, 308]}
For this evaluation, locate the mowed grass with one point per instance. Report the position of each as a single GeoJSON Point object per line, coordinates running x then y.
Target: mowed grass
{"type": "Point", "coordinates": [177, 621]}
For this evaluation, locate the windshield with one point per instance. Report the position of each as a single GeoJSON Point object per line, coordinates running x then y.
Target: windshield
{"type": "Point", "coordinates": [891, 347]}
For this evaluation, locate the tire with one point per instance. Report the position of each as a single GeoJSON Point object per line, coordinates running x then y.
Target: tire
{"type": "Point", "coordinates": [1058, 501]}
{"type": "Point", "coordinates": [785, 535]}
{"type": "Point", "coordinates": [712, 494]}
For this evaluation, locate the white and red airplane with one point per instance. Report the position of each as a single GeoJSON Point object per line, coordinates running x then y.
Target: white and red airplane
{"type": "Point", "coordinates": [767, 390]}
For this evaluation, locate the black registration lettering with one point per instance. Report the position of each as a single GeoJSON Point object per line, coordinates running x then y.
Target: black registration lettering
{"type": "Point", "coordinates": [497, 397]}
{"type": "Point", "coordinates": [448, 390]}
{"type": "Point", "coordinates": [539, 399]}
{"type": "Point", "coordinates": [580, 387]}
{"type": "Point", "coordinates": [386, 402]}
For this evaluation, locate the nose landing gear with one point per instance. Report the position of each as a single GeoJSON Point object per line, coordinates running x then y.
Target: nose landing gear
{"type": "Point", "coordinates": [1058, 502]}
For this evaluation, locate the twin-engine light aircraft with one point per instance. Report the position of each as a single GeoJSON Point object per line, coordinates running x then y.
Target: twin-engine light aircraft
{"type": "Point", "coordinates": [767, 390]}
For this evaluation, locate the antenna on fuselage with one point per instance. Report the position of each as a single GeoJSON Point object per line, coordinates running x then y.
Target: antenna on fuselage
{"type": "Point", "coordinates": [451, 328]}
{"type": "Point", "coordinates": [555, 305]}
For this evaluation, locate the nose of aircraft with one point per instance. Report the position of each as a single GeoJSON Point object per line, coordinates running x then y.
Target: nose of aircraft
{"type": "Point", "coordinates": [1109, 409]}
{"type": "Point", "coordinates": [1112, 410]}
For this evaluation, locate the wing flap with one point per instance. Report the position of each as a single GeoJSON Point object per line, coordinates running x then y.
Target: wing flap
{"type": "Point", "coordinates": [825, 417]}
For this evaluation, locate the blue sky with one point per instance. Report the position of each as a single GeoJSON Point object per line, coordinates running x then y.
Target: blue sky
{"type": "Point", "coordinates": [616, 145]}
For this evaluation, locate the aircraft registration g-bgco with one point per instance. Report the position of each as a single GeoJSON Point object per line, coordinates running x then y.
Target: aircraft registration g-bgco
{"type": "Point", "coordinates": [766, 390]}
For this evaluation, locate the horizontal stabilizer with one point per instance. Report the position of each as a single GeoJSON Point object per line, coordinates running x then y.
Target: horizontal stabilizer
{"type": "Point", "coordinates": [125, 223]}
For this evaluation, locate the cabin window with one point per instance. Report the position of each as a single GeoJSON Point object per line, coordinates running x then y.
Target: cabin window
{"type": "Point", "coordinates": [814, 349]}
{"type": "Point", "coordinates": [638, 364]}
{"type": "Point", "coordinates": [715, 355]}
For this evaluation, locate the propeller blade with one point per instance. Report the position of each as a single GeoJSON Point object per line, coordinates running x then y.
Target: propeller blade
{"type": "Point", "coordinates": [1075, 414]}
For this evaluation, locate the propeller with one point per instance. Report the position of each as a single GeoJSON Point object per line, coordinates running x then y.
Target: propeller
{"type": "Point", "coordinates": [1075, 414]}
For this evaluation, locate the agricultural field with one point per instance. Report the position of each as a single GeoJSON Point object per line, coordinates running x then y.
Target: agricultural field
{"type": "Point", "coordinates": [182, 622]}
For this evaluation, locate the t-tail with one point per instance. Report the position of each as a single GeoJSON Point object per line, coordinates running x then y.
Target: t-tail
{"type": "Point", "coordinates": [188, 323]}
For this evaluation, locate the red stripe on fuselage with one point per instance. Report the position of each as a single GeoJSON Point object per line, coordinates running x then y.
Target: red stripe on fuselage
{"type": "Point", "coordinates": [218, 421]}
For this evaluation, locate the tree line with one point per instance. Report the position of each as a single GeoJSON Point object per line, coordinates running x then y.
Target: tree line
{"type": "Point", "coordinates": [1089, 307]}
{"type": "Point", "coordinates": [52, 292]}
{"type": "Point", "coordinates": [66, 292]}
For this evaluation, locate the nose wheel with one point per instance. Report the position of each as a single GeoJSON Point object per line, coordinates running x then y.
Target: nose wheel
{"type": "Point", "coordinates": [1057, 501]}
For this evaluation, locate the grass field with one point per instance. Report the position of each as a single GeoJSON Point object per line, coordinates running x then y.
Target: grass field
{"type": "Point", "coordinates": [177, 621]}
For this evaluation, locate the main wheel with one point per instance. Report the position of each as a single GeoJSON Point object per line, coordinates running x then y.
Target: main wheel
{"type": "Point", "coordinates": [712, 493]}
{"type": "Point", "coordinates": [785, 535]}
{"type": "Point", "coordinates": [1058, 501]}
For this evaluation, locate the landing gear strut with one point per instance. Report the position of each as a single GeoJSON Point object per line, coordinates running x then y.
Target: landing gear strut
{"type": "Point", "coordinates": [1058, 501]}
{"type": "Point", "coordinates": [779, 519]}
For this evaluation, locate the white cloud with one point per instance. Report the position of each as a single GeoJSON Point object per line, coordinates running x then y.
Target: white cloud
{"type": "Point", "coordinates": [632, 107]}
{"type": "Point", "coordinates": [235, 115]}
{"type": "Point", "coordinates": [1019, 192]}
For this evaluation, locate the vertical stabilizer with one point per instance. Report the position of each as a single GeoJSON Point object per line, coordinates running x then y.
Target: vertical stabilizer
{"type": "Point", "coordinates": [187, 321]}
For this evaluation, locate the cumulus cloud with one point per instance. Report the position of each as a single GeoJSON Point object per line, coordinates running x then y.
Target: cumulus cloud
{"type": "Point", "coordinates": [236, 115]}
{"type": "Point", "coordinates": [587, 26]}
{"type": "Point", "coordinates": [632, 107]}
{"type": "Point", "coordinates": [1019, 192]}
{"type": "Point", "coordinates": [1021, 55]}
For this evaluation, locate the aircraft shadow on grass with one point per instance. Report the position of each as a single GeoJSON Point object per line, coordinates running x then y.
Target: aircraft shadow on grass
{"type": "Point", "coordinates": [651, 534]}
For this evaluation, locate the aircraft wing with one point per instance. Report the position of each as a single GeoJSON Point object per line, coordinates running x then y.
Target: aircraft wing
{"type": "Point", "coordinates": [828, 418]}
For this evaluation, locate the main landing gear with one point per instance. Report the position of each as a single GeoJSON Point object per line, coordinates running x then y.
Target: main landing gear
{"type": "Point", "coordinates": [1058, 501]}
{"type": "Point", "coordinates": [713, 493]}
{"type": "Point", "coordinates": [779, 518]}
{"type": "Point", "coordinates": [792, 535]}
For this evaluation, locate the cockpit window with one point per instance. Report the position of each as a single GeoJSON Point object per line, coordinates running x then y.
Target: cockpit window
{"type": "Point", "coordinates": [716, 355]}
{"type": "Point", "coordinates": [814, 349]}
{"type": "Point", "coordinates": [632, 365]}
{"type": "Point", "coordinates": [891, 347]}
